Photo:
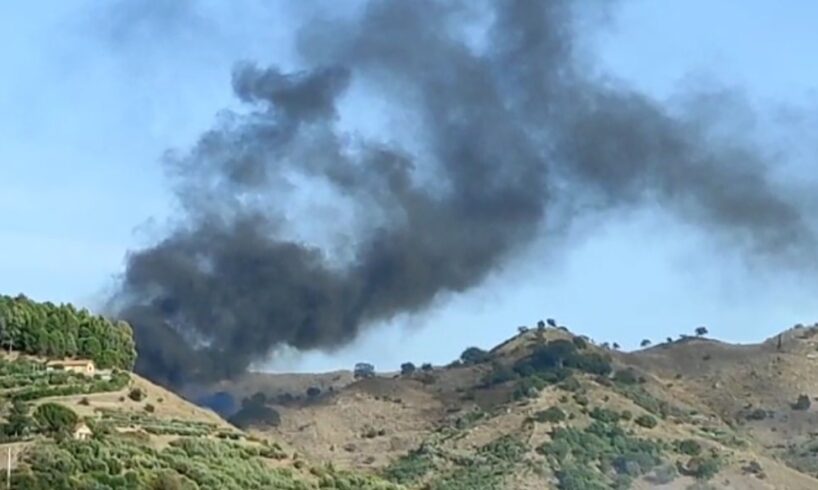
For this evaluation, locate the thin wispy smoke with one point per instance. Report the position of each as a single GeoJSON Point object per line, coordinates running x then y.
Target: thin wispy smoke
{"type": "Point", "coordinates": [511, 124]}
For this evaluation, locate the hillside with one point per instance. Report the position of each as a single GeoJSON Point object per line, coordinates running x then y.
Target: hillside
{"type": "Point", "coordinates": [548, 409]}
{"type": "Point", "coordinates": [545, 409]}
{"type": "Point", "coordinates": [82, 420]}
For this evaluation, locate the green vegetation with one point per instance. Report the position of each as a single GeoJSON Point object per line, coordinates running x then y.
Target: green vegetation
{"type": "Point", "coordinates": [499, 374]}
{"type": "Point", "coordinates": [638, 394]}
{"type": "Point", "coordinates": [27, 380]}
{"type": "Point", "coordinates": [157, 426]}
{"type": "Point", "coordinates": [55, 420]}
{"type": "Point", "coordinates": [690, 447]}
{"type": "Point", "coordinates": [486, 470]}
{"type": "Point", "coordinates": [571, 384]}
{"type": "Point", "coordinates": [587, 458]}
{"type": "Point", "coordinates": [627, 377]}
{"type": "Point", "coordinates": [474, 355]}
{"type": "Point", "coordinates": [469, 419]}
{"type": "Point", "coordinates": [23, 380]}
{"type": "Point", "coordinates": [701, 467]}
{"type": "Point", "coordinates": [604, 415]}
{"type": "Point", "coordinates": [646, 421]}
{"type": "Point", "coordinates": [801, 456]}
{"type": "Point", "coordinates": [46, 329]}
{"type": "Point", "coordinates": [550, 415]}
{"type": "Point", "coordinates": [410, 468]}
{"type": "Point", "coordinates": [18, 422]}
{"type": "Point", "coordinates": [563, 354]}
{"type": "Point", "coordinates": [803, 403]}
{"type": "Point", "coordinates": [550, 363]}
{"type": "Point", "coordinates": [254, 411]}
{"type": "Point", "coordinates": [189, 464]}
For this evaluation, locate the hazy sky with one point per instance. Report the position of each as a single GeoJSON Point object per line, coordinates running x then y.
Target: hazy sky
{"type": "Point", "coordinates": [90, 99]}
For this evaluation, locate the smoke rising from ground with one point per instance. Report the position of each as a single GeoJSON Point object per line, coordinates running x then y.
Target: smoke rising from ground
{"type": "Point", "coordinates": [515, 133]}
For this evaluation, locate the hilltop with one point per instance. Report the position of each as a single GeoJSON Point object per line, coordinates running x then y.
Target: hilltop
{"type": "Point", "coordinates": [551, 409]}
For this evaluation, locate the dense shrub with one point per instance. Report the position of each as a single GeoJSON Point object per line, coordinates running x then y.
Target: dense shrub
{"type": "Point", "coordinates": [55, 419]}
{"type": "Point", "coordinates": [577, 477]}
{"type": "Point", "coordinates": [410, 468]}
{"type": "Point", "coordinates": [757, 414]}
{"type": "Point", "coordinates": [254, 411]}
{"type": "Point", "coordinates": [803, 403]}
{"type": "Point", "coordinates": [646, 421]}
{"type": "Point", "coordinates": [530, 386]}
{"type": "Point", "coordinates": [690, 447]}
{"type": "Point", "coordinates": [363, 370]}
{"type": "Point", "coordinates": [49, 330]}
{"type": "Point", "coordinates": [77, 385]}
{"type": "Point", "coordinates": [626, 376]}
{"type": "Point", "coordinates": [553, 361]}
{"type": "Point", "coordinates": [136, 394]}
{"type": "Point", "coordinates": [551, 415]}
{"type": "Point", "coordinates": [474, 355]}
{"type": "Point", "coordinates": [571, 384]}
{"type": "Point", "coordinates": [407, 368]}
{"type": "Point", "coordinates": [604, 415]}
{"type": "Point", "coordinates": [499, 374]}
{"type": "Point", "coordinates": [486, 470]}
{"type": "Point", "coordinates": [586, 456]}
{"type": "Point", "coordinates": [18, 422]}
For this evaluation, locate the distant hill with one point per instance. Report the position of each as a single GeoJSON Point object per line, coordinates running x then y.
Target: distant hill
{"type": "Point", "coordinates": [549, 409]}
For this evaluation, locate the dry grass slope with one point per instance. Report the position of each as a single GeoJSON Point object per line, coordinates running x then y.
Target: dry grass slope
{"type": "Point", "coordinates": [446, 427]}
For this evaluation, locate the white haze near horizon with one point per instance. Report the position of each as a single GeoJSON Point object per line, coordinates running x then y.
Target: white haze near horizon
{"type": "Point", "coordinates": [91, 99]}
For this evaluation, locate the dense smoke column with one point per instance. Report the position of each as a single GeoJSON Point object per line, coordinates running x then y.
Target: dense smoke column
{"type": "Point", "coordinates": [509, 126]}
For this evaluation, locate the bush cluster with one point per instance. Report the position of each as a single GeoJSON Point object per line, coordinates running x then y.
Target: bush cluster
{"type": "Point", "coordinates": [599, 456]}
{"type": "Point", "coordinates": [550, 363]}
{"type": "Point", "coordinates": [187, 464]}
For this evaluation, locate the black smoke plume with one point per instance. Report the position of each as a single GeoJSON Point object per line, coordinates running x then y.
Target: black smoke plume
{"type": "Point", "coordinates": [509, 130]}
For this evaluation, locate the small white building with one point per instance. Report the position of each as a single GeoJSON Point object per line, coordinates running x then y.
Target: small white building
{"type": "Point", "coordinates": [82, 432]}
{"type": "Point", "coordinates": [79, 366]}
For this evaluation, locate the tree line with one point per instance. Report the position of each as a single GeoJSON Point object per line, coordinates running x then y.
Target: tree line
{"type": "Point", "coordinates": [57, 331]}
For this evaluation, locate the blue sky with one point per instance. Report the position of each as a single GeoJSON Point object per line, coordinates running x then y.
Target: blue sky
{"type": "Point", "coordinates": [91, 97]}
